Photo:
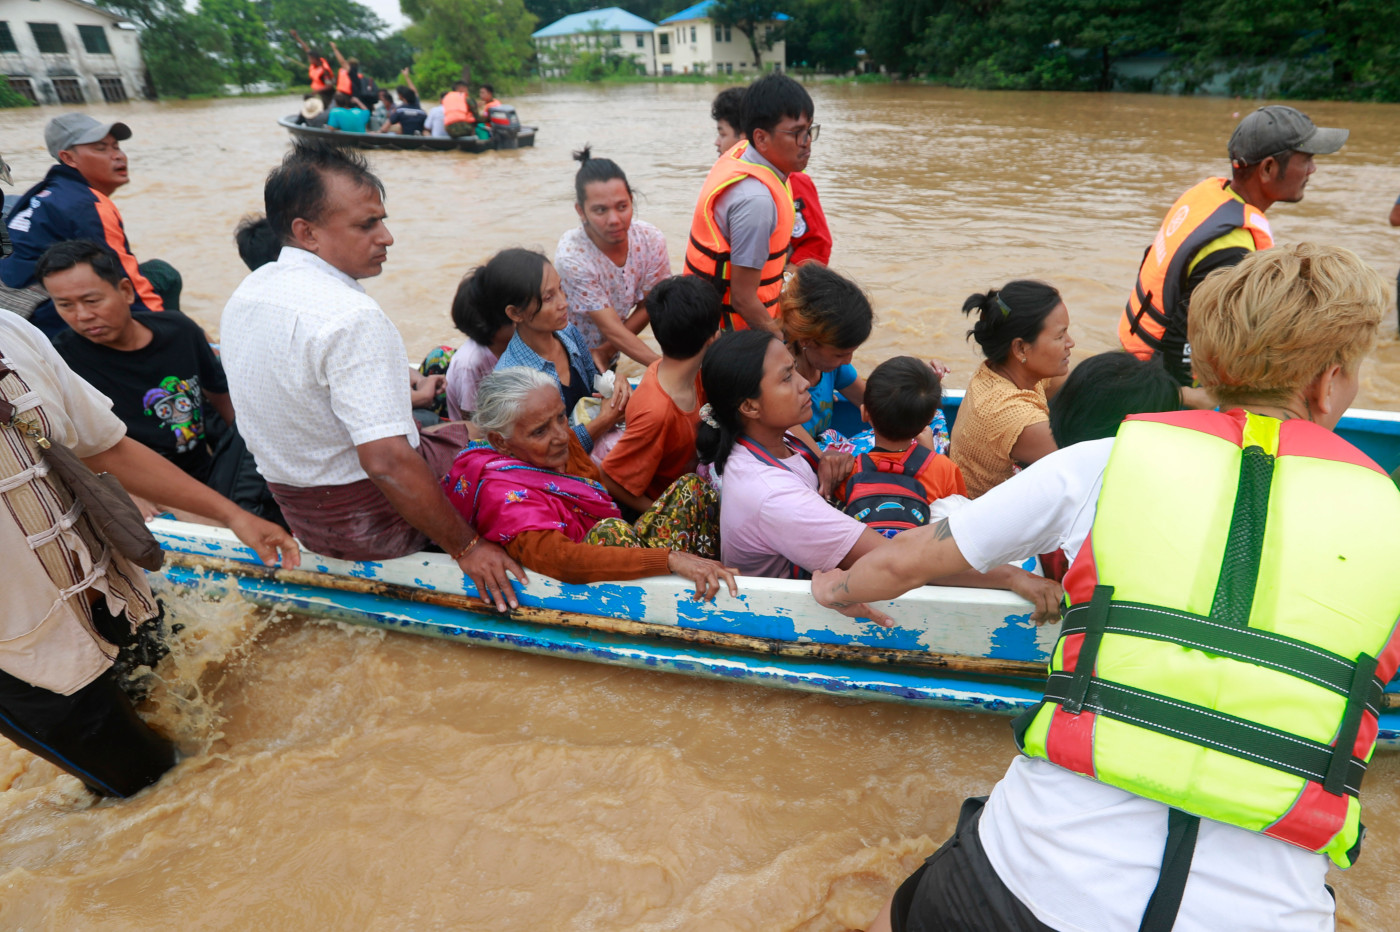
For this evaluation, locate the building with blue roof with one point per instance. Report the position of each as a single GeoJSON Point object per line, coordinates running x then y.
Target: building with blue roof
{"type": "Point", "coordinates": [613, 31]}
{"type": "Point", "coordinates": [690, 42]}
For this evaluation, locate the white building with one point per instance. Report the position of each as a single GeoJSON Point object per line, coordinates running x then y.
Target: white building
{"type": "Point", "coordinates": [690, 42]}
{"type": "Point", "coordinates": [613, 31]}
{"type": "Point", "coordinates": [69, 52]}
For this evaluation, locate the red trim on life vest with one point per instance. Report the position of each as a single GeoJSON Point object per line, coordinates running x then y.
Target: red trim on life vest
{"type": "Point", "coordinates": [1070, 739]}
{"type": "Point", "coordinates": [1389, 659]}
{"type": "Point", "coordinates": [1313, 820]}
{"type": "Point", "coordinates": [1227, 425]}
{"type": "Point", "coordinates": [1366, 732]}
{"type": "Point", "coordinates": [1304, 438]}
{"type": "Point", "coordinates": [1083, 574]}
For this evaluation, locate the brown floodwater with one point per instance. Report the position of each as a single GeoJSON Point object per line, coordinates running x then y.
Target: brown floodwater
{"type": "Point", "coordinates": [341, 778]}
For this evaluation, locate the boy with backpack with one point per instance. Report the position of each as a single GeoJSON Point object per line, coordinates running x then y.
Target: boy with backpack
{"type": "Point", "coordinates": [891, 486]}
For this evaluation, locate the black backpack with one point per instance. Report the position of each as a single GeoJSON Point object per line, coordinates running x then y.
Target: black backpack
{"type": "Point", "coordinates": [887, 497]}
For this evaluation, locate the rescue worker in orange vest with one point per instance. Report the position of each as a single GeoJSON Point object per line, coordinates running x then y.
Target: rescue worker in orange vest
{"type": "Point", "coordinates": [347, 79]}
{"type": "Point", "coordinates": [457, 116]}
{"type": "Point", "coordinates": [1215, 225]}
{"type": "Point", "coordinates": [486, 99]}
{"type": "Point", "coordinates": [317, 68]}
{"type": "Point", "coordinates": [743, 220]}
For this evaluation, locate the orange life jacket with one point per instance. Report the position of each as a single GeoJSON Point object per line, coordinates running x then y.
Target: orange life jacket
{"type": "Point", "coordinates": [321, 74]}
{"type": "Point", "coordinates": [707, 253]}
{"type": "Point", "coordinates": [1204, 213]}
{"type": "Point", "coordinates": [342, 81]}
{"type": "Point", "coordinates": [486, 107]}
{"type": "Point", "coordinates": [455, 108]}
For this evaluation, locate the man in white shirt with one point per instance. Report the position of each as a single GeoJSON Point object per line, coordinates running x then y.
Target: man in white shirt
{"type": "Point", "coordinates": [320, 378]}
{"type": "Point", "coordinates": [436, 125]}
{"type": "Point", "coordinates": [1085, 845]}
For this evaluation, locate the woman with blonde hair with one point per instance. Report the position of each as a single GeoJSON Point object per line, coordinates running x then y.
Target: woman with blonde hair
{"type": "Point", "coordinates": [1210, 704]}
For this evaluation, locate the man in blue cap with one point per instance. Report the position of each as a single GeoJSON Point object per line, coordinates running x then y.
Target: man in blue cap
{"type": "Point", "coordinates": [74, 201]}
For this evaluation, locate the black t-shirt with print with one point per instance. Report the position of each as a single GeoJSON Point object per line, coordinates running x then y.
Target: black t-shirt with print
{"type": "Point", "coordinates": [410, 118]}
{"type": "Point", "coordinates": [158, 391]}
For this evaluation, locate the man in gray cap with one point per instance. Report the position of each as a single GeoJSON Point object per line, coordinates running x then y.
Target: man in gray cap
{"type": "Point", "coordinates": [1216, 224]}
{"type": "Point", "coordinates": [74, 201]}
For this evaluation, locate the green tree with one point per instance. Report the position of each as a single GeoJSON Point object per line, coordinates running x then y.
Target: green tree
{"type": "Point", "coordinates": [180, 48]}
{"type": "Point", "coordinates": [756, 19]}
{"type": "Point", "coordinates": [382, 58]}
{"type": "Point", "coordinates": [249, 56]}
{"type": "Point", "coordinates": [820, 36]}
{"type": "Point", "coordinates": [492, 37]}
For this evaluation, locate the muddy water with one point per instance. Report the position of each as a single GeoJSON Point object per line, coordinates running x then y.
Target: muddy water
{"type": "Point", "coordinates": [339, 778]}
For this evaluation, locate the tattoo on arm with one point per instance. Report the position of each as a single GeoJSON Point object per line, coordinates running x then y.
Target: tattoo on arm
{"type": "Point", "coordinates": [941, 530]}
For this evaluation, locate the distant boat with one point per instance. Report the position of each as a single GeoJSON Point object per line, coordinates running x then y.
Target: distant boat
{"type": "Point", "coordinates": [525, 137]}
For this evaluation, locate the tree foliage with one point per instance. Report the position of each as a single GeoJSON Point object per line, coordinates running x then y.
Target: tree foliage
{"type": "Point", "coordinates": [491, 37]}
{"type": "Point", "coordinates": [1286, 48]}
{"type": "Point", "coordinates": [247, 55]}
{"type": "Point", "coordinates": [181, 48]}
{"type": "Point", "coordinates": [819, 34]}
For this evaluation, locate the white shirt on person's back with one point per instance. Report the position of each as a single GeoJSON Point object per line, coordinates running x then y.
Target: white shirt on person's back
{"type": "Point", "coordinates": [1084, 856]}
{"type": "Point", "coordinates": [315, 369]}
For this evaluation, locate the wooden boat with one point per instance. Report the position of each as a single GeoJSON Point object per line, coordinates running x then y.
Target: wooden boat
{"type": "Point", "coordinates": [526, 137]}
{"type": "Point", "coordinates": [970, 649]}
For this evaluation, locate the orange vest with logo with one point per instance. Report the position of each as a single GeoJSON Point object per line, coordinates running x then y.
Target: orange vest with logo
{"type": "Point", "coordinates": [707, 253]}
{"type": "Point", "coordinates": [321, 75]}
{"type": "Point", "coordinates": [455, 109]}
{"type": "Point", "coordinates": [1204, 213]}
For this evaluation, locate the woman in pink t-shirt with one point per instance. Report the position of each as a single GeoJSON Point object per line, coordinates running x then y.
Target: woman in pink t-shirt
{"type": "Point", "coordinates": [773, 514]}
{"type": "Point", "coordinates": [774, 519]}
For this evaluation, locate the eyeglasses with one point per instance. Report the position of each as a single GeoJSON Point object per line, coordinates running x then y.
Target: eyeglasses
{"type": "Point", "coordinates": [803, 136]}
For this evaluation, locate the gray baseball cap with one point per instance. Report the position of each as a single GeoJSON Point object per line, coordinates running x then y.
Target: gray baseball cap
{"type": "Point", "coordinates": [1271, 130]}
{"type": "Point", "coordinates": [79, 129]}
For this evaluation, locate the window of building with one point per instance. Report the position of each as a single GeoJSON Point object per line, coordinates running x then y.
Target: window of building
{"type": "Point", "coordinates": [719, 33]}
{"type": "Point", "coordinates": [113, 91]}
{"type": "Point", "coordinates": [666, 68]}
{"type": "Point", "coordinates": [728, 34]}
{"type": "Point", "coordinates": [641, 42]}
{"type": "Point", "coordinates": [7, 41]}
{"type": "Point", "coordinates": [94, 40]}
{"type": "Point", "coordinates": [729, 67]}
{"type": "Point", "coordinates": [692, 34]}
{"type": "Point", "coordinates": [69, 91]}
{"type": "Point", "coordinates": [665, 46]}
{"type": "Point", "coordinates": [617, 40]}
{"type": "Point", "coordinates": [48, 38]}
{"type": "Point", "coordinates": [25, 88]}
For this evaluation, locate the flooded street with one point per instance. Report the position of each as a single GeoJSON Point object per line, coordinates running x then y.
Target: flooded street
{"type": "Point", "coordinates": [341, 778]}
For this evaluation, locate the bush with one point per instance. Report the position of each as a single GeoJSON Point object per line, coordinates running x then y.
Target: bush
{"type": "Point", "coordinates": [9, 97]}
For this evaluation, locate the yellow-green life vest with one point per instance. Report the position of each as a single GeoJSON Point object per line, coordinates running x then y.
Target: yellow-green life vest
{"type": "Point", "coordinates": [1232, 626]}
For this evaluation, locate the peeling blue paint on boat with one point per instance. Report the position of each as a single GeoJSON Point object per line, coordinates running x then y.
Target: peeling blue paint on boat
{"type": "Point", "coordinates": [1015, 640]}
{"type": "Point", "coordinates": [974, 623]}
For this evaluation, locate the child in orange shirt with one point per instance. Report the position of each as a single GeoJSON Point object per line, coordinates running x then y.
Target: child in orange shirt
{"type": "Point", "coordinates": [893, 484]}
{"type": "Point", "coordinates": [658, 446]}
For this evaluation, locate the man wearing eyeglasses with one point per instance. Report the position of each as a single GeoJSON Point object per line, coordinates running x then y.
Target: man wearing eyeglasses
{"type": "Point", "coordinates": [743, 221]}
{"type": "Point", "coordinates": [1216, 224]}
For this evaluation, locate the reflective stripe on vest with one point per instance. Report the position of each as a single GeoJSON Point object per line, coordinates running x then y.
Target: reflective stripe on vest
{"type": "Point", "coordinates": [1205, 213]}
{"type": "Point", "coordinates": [707, 253]}
{"type": "Point", "coordinates": [455, 109]}
{"type": "Point", "coordinates": [1233, 624]}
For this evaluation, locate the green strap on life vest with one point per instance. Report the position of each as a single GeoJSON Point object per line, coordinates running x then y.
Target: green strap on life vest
{"type": "Point", "coordinates": [1226, 632]}
{"type": "Point", "coordinates": [1265, 648]}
